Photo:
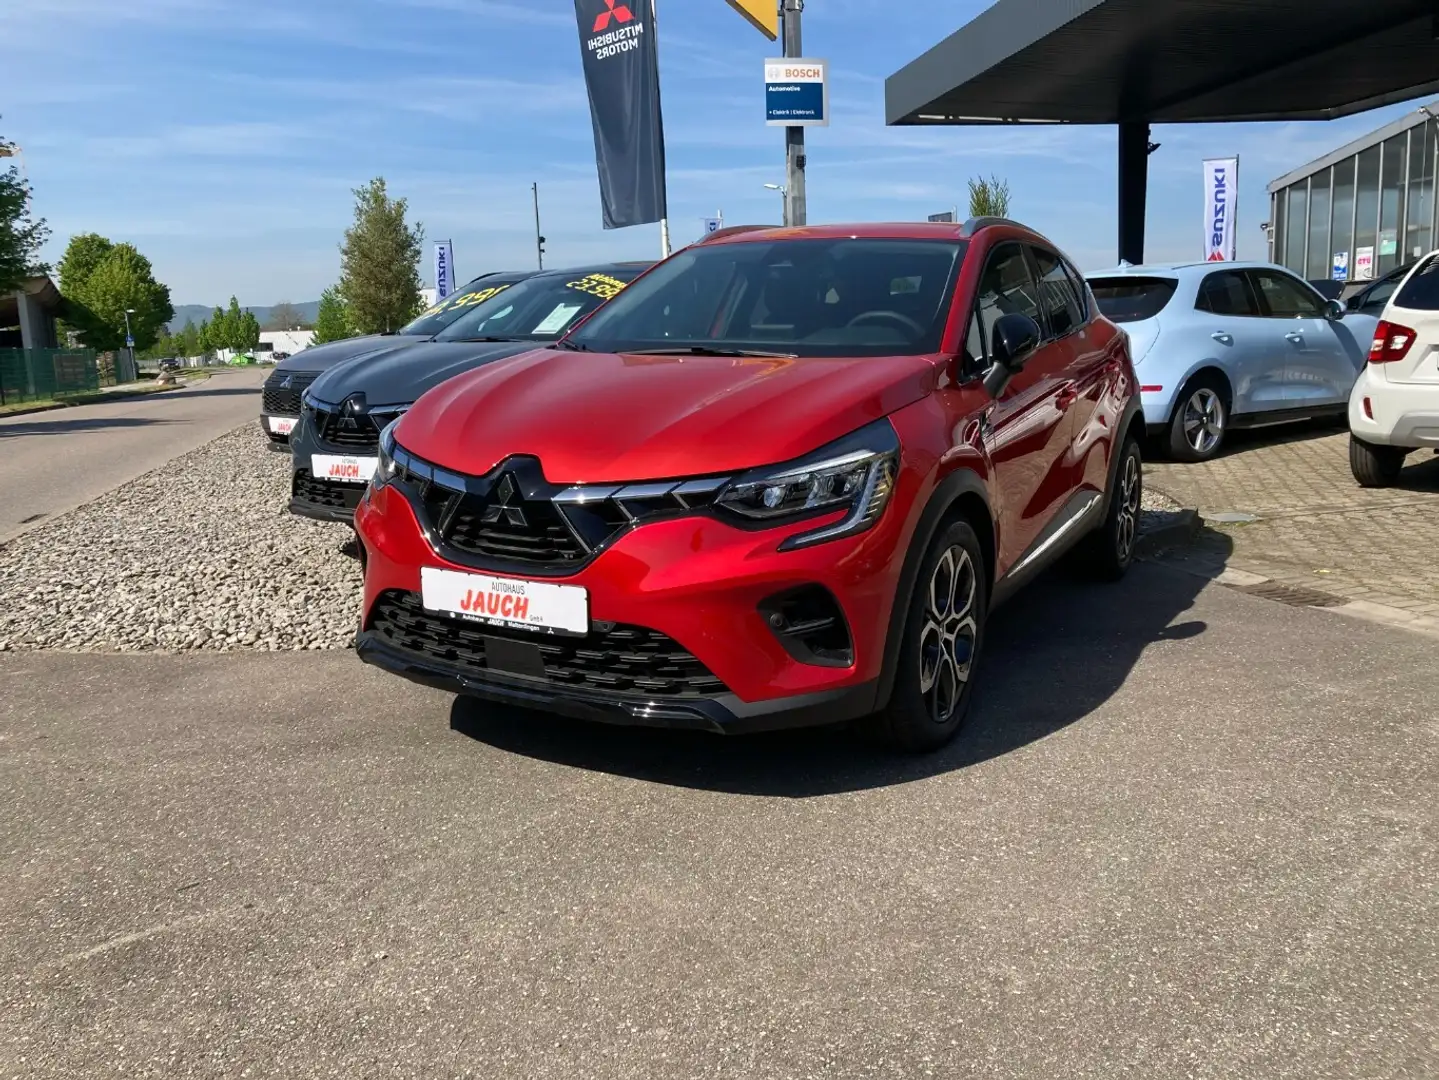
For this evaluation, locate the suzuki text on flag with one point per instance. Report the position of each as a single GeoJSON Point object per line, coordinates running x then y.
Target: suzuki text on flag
{"type": "Point", "coordinates": [1221, 209]}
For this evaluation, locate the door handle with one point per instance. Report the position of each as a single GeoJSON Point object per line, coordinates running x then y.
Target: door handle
{"type": "Point", "coordinates": [1223, 338]}
{"type": "Point", "coordinates": [1295, 336]}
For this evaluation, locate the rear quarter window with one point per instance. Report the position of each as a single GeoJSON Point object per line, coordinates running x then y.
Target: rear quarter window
{"type": "Point", "coordinates": [1421, 291]}
{"type": "Point", "coordinates": [1132, 299]}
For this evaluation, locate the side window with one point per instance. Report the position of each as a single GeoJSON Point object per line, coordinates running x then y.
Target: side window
{"type": "Point", "coordinates": [1227, 293]}
{"type": "Point", "coordinates": [1061, 305]}
{"type": "Point", "coordinates": [1284, 298]}
{"type": "Point", "coordinates": [1378, 295]}
{"type": "Point", "coordinates": [1005, 288]}
{"type": "Point", "coordinates": [1081, 290]}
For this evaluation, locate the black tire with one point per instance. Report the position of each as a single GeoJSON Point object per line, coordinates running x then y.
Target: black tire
{"type": "Point", "coordinates": [928, 708]}
{"type": "Point", "coordinates": [1205, 397]}
{"type": "Point", "coordinates": [1375, 466]}
{"type": "Point", "coordinates": [1108, 551]}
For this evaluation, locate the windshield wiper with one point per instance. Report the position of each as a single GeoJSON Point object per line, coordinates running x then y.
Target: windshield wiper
{"type": "Point", "coordinates": [487, 339]}
{"type": "Point", "coordinates": [572, 345]}
{"type": "Point", "coordinates": [706, 350]}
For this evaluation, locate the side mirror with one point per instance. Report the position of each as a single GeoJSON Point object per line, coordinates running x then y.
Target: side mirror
{"type": "Point", "coordinates": [1015, 339]}
{"type": "Point", "coordinates": [1333, 310]}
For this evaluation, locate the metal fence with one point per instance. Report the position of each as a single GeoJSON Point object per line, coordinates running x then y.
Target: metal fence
{"type": "Point", "coordinates": [45, 374]}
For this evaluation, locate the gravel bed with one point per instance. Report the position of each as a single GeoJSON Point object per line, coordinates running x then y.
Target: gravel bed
{"type": "Point", "coordinates": [199, 554]}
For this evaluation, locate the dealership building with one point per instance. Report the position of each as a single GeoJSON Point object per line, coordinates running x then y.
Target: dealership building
{"type": "Point", "coordinates": [1361, 211]}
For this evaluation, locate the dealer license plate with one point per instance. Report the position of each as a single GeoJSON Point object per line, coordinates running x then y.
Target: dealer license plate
{"type": "Point", "coordinates": [282, 425]}
{"type": "Point", "coordinates": [342, 468]}
{"type": "Point", "coordinates": [535, 605]}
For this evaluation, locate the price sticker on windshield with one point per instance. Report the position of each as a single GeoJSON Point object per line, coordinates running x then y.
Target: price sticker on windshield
{"type": "Point", "coordinates": [601, 285]}
{"type": "Point", "coordinates": [479, 296]}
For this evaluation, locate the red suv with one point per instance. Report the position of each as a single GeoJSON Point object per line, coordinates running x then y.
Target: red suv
{"type": "Point", "coordinates": [781, 479]}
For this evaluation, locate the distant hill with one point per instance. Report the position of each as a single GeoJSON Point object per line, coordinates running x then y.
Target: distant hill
{"type": "Point", "coordinates": [308, 311]}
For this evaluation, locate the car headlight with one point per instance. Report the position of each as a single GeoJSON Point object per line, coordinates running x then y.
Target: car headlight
{"type": "Point", "coordinates": [856, 473]}
{"type": "Point", "coordinates": [385, 469]}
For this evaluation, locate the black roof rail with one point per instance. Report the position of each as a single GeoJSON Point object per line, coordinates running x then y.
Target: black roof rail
{"type": "Point", "coordinates": [974, 224]}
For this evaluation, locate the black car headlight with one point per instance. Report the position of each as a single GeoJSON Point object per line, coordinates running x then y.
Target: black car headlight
{"type": "Point", "coordinates": [856, 473]}
{"type": "Point", "coordinates": [385, 468]}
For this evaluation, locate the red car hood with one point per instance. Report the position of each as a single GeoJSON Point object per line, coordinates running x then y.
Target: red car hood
{"type": "Point", "coordinates": [594, 417]}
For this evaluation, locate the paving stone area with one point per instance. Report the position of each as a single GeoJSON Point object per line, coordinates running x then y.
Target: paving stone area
{"type": "Point", "coordinates": [1313, 526]}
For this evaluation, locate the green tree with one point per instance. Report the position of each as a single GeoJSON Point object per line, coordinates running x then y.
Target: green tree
{"type": "Point", "coordinates": [20, 234]}
{"type": "Point", "coordinates": [249, 332]}
{"type": "Point", "coordinates": [187, 341]}
{"type": "Point", "coordinates": [988, 198]}
{"type": "Point", "coordinates": [234, 323]}
{"type": "Point", "coordinates": [101, 282]}
{"type": "Point", "coordinates": [333, 320]}
{"type": "Point", "coordinates": [379, 262]}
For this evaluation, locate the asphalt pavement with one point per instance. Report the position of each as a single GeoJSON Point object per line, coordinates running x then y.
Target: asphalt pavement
{"type": "Point", "coordinates": [58, 460]}
{"type": "Point", "coordinates": [1191, 834]}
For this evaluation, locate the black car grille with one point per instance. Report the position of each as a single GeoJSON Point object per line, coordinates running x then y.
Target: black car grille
{"type": "Point", "coordinates": [351, 431]}
{"type": "Point", "coordinates": [285, 400]}
{"type": "Point", "coordinates": [612, 657]}
{"type": "Point", "coordinates": [515, 516]}
{"type": "Point", "coordinates": [325, 493]}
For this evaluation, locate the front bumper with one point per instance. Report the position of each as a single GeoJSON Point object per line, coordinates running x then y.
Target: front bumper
{"type": "Point", "coordinates": [698, 581]}
{"type": "Point", "coordinates": [721, 714]}
{"type": "Point", "coordinates": [317, 498]}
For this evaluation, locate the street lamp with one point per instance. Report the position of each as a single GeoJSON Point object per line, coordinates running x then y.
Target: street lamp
{"type": "Point", "coordinates": [130, 342]}
{"type": "Point", "coordinates": [784, 199]}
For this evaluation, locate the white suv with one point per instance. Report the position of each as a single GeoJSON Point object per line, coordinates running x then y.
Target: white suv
{"type": "Point", "coordinates": [1394, 407]}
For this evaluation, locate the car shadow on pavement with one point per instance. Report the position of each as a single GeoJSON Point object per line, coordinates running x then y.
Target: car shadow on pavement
{"type": "Point", "coordinates": [89, 423]}
{"type": "Point", "coordinates": [1054, 654]}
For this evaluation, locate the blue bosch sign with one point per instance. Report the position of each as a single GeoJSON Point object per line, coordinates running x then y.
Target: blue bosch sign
{"type": "Point", "coordinates": [796, 93]}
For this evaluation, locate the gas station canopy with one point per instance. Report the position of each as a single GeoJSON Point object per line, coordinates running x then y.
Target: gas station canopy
{"type": "Point", "coordinates": [1171, 61]}
{"type": "Point", "coordinates": [1138, 62]}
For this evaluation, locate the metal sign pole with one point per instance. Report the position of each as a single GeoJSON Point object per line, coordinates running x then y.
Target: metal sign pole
{"type": "Point", "coordinates": [796, 201]}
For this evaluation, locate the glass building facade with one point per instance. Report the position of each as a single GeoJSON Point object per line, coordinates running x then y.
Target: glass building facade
{"type": "Point", "coordinates": [1364, 209]}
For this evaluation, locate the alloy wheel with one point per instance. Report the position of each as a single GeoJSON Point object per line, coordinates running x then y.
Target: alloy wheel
{"type": "Point", "coordinates": [1203, 420]}
{"type": "Point", "coordinates": [1129, 496]}
{"type": "Point", "coordinates": [946, 643]}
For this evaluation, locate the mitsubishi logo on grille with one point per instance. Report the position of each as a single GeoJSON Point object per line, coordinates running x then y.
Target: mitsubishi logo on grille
{"type": "Point", "coordinates": [617, 11]}
{"type": "Point", "coordinates": [287, 382]}
{"type": "Point", "coordinates": [501, 508]}
{"type": "Point", "coordinates": [353, 408]}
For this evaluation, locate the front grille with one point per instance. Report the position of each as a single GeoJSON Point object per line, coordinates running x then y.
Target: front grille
{"type": "Point", "coordinates": [624, 660]}
{"type": "Point", "coordinates": [285, 400]}
{"type": "Point", "coordinates": [325, 493]}
{"type": "Point", "coordinates": [519, 531]}
{"type": "Point", "coordinates": [357, 431]}
{"type": "Point", "coordinates": [515, 516]}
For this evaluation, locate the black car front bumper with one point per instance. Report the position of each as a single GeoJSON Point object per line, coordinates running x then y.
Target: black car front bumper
{"type": "Point", "coordinates": [720, 713]}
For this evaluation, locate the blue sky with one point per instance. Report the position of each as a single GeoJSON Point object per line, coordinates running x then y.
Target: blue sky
{"type": "Point", "coordinates": [222, 137]}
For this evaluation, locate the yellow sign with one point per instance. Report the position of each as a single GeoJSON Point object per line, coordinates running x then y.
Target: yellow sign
{"type": "Point", "coordinates": [762, 14]}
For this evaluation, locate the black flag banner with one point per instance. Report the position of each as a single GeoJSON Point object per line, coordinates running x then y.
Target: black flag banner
{"type": "Point", "coordinates": [622, 74]}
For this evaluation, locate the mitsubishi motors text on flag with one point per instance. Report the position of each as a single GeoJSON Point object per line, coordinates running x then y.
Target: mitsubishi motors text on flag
{"type": "Point", "coordinates": [1221, 209]}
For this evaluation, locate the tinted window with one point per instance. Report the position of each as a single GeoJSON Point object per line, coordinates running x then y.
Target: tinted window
{"type": "Point", "coordinates": [452, 307]}
{"type": "Point", "coordinates": [1421, 292]}
{"type": "Point", "coordinates": [1285, 298]}
{"type": "Point", "coordinates": [1130, 299]}
{"type": "Point", "coordinates": [1227, 293]}
{"type": "Point", "coordinates": [1061, 305]}
{"type": "Point", "coordinates": [815, 297]}
{"type": "Point", "coordinates": [1005, 288]}
{"type": "Point", "coordinates": [540, 308]}
{"type": "Point", "coordinates": [974, 351]}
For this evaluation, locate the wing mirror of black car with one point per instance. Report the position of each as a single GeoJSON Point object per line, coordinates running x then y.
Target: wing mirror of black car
{"type": "Point", "coordinates": [1333, 310]}
{"type": "Point", "coordinates": [1015, 338]}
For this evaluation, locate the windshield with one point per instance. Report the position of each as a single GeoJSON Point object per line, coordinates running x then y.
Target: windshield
{"type": "Point", "coordinates": [1131, 299]}
{"type": "Point", "coordinates": [812, 297]}
{"type": "Point", "coordinates": [540, 308]}
{"type": "Point", "coordinates": [435, 319]}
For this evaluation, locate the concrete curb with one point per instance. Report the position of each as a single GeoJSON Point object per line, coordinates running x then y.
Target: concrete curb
{"type": "Point", "coordinates": [1183, 528]}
